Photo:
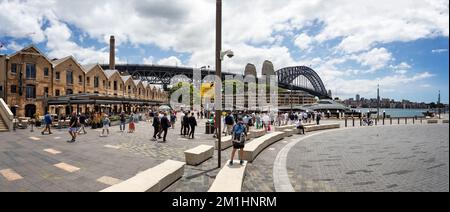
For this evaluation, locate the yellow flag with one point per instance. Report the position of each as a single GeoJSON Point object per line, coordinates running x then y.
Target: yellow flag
{"type": "Point", "coordinates": [208, 90]}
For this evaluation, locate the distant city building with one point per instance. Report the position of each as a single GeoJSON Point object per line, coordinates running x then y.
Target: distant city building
{"type": "Point", "coordinates": [384, 103]}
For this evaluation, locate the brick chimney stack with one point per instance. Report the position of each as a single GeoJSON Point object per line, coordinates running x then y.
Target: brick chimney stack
{"type": "Point", "coordinates": [112, 53]}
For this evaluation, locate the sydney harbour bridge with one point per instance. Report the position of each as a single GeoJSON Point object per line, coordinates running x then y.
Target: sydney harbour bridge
{"type": "Point", "coordinates": [292, 78]}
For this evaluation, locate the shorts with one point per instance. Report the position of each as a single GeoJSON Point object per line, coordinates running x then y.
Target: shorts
{"type": "Point", "coordinates": [105, 127]}
{"type": "Point", "coordinates": [72, 129]}
{"type": "Point", "coordinates": [237, 145]}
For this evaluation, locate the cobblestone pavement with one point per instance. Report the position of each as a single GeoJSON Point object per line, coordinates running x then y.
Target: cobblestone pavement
{"type": "Point", "coordinates": [397, 158]}
{"type": "Point", "coordinates": [120, 156]}
{"type": "Point", "coordinates": [259, 176]}
{"type": "Point", "coordinates": [30, 161]}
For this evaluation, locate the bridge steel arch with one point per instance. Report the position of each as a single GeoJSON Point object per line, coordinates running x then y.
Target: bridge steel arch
{"type": "Point", "coordinates": [287, 76]}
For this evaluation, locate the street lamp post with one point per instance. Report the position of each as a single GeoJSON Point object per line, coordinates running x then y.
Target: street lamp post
{"type": "Point", "coordinates": [219, 75]}
{"type": "Point", "coordinates": [290, 98]}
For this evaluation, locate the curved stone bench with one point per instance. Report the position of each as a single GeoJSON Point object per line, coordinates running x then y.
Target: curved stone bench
{"type": "Point", "coordinates": [253, 148]}
{"type": "Point", "coordinates": [230, 178]}
{"type": "Point", "coordinates": [155, 179]}
{"type": "Point", "coordinates": [227, 140]}
{"type": "Point", "coordinates": [225, 143]}
{"type": "Point", "coordinates": [282, 128]}
{"type": "Point", "coordinates": [199, 154]}
{"type": "Point", "coordinates": [321, 127]}
{"type": "Point", "coordinates": [290, 132]}
{"type": "Point", "coordinates": [433, 121]}
{"type": "Point", "coordinates": [255, 134]}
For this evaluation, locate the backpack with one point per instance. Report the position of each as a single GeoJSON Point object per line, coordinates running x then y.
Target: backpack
{"type": "Point", "coordinates": [239, 129]}
{"type": "Point", "coordinates": [229, 120]}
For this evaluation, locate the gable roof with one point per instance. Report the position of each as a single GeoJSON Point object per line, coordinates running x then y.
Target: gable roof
{"type": "Point", "coordinates": [89, 68]}
{"type": "Point", "coordinates": [145, 84]}
{"type": "Point", "coordinates": [32, 46]}
{"type": "Point", "coordinates": [137, 82]}
{"type": "Point", "coordinates": [62, 60]}
{"type": "Point", "coordinates": [126, 78]}
{"type": "Point", "coordinates": [110, 73]}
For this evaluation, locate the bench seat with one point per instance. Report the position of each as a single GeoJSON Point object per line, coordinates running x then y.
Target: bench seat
{"type": "Point", "coordinates": [198, 154]}
{"type": "Point", "coordinates": [155, 179]}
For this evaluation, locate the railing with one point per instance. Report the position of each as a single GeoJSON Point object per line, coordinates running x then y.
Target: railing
{"type": "Point", "coordinates": [360, 121]}
{"type": "Point", "coordinates": [6, 114]}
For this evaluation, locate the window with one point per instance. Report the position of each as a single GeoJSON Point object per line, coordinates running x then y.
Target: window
{"type": "Point", "coordinates": [104, 83]}
{"type": "Point", "coordinates": [46, 72]}
{"type": "Point", "coordinates": [14, 67]}
{"type": "Point", "coordinates": [58, 76]}
{"type": "Point", "coordinates": [96, 82]}
{"type": "Point", "coordinates": [31, 92]}
{"type": "Point", "coordinates": [46, 91]}
{"type": "Point", "coordinates": [80, 79]}
{"type": "Point", "coordinates": [129, 89]}
{"type": "Point", "coordinates": [13, 88]}
{"type": "Point", "coordinates": [31, 71]}
{"type": "Point", "coordinates": [121, 87]}
{"type": "Point", "coordinates": [1, 88]}
{"type": "Point", "coordinates": [115, 85]}
{"type": "Point", "coordinates": [109, 84]}
{"type": "Point", "coordinates": [69, 92]}
{"type": "Point", "coordinates": [57, 92]}
{"type": "Point", "coordinates": [69, 77]}
{"type": "Point", "coordinates": [88, 80]}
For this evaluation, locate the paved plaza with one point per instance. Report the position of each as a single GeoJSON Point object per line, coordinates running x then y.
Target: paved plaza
{"type": "Point", "coordinates": [98, 161]}
{"type": "Point", "coordinates": [397, 158]}
{"type": "Point", "coordinates": [391, 158]}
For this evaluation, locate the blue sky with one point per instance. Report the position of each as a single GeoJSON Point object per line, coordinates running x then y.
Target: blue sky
{"type": "Point", "coordinates": [353, 45]}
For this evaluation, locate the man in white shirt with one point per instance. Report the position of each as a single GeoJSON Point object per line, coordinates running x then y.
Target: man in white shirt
{"type": "Point", "coordinates": [300, 127]}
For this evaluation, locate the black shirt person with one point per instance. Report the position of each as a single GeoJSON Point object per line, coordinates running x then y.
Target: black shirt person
{"type": "Point", "coordinates": [186, 125]}
{"type": "Point", "coordinates": [156, 127]}
{"type": "Point", "coordinates": [165, 125]}
{"type": "Point", "coordinates": [192, 123]}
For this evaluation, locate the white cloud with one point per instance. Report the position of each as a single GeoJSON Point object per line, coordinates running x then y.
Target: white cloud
{"type": "Point", "coordinates": [20, 19]}
{"type": "Point", "coordinates": [438, 51]}
{"type": "Point", "coordinates": [149, 60]}
{"type": "Point", "coordinates": [255, 30]}
{"type": "Point", "coordinates": [367, 87]}
{"type": "Point", "coordinates": [303, 41]}
{"type": "Point", "coordinates": [170, 61]}
{"type": "Point", "coordinates": [15, 46]}
{"type": "Point", "coordinates": [376, 58]}
{"type": "Point", "coordinates": [401, 68]}
{"type": "Point", "coordinates": [59, 44]}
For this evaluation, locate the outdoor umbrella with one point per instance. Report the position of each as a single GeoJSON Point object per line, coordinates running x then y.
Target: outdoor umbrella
{"type": "Point", "coordinates": [165, 108]}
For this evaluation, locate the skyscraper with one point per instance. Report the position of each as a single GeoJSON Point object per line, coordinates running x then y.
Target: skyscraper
{"type": "Point", "coordinates": [439, 98]}
{"type": "Point", "coordinates": [358, 97]}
